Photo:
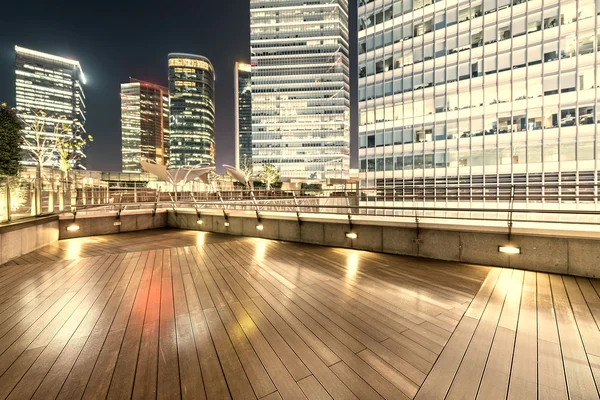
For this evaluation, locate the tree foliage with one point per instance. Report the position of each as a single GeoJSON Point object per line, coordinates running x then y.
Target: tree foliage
{"type": "Point", "coordinates": [70, 150]}
{"type": "Point", "coordinates": [41, 144]}
{"type": "Point", "coordinates": [11, 141]}
{"type": "Point", "coordinates": [63, 141]}
{"type": "Point", "coordinates": [269, 175]}
{"type": "Point", "coordinates": [247, 168]}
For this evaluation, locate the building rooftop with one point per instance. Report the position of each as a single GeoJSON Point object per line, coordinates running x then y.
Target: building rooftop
{"type": "Point", "coordinates": [173, 313]}
{"type": "Point", "coordinates": [35, 53]}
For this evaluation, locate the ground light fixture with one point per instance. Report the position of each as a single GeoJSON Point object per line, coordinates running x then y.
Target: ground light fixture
{"type": "Point", "coordinates": [260, 227]}
{"type": "Point", "coordinates": [351, 235]}
{"type": "Point", "coordinates": [509, 249]}
{"type": "Point", "coordinates": [73, 227]}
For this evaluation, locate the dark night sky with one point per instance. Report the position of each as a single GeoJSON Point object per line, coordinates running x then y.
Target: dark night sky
{"type": "Point", "coordinates": [119, 39]}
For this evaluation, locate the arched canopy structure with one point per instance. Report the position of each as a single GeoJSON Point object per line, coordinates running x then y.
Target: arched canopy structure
{"type": "Point", "coordinates": [177, 175]}
{"type": "Point", "coordinates": [236, 174]}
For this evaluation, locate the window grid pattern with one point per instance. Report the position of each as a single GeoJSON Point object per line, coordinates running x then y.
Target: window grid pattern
{"type": "Point", "coordinates": [300, 87]}
{"type": "Point", "coordinates": [192, 111]}
{"type": "Point", "coordinates": [144, 124]}
{"type": "Point", "coordinates": [53, 85]}
{"type": "Point", "coordinates": [477, 89]}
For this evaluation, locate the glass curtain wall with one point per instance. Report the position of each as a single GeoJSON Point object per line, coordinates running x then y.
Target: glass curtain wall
{"type": "Point", "coordinates": [300, 87]}
{"type": "Point", "coordinates": [52, 85]}
{"type": "Point", "coordinates": [144, 124]}
{"type": "Point", "coordinates": [467, 94]}
{"type": "Point", "coordinates": [192, 110]}
{"type": "Point", "coordinates": [243, 108]}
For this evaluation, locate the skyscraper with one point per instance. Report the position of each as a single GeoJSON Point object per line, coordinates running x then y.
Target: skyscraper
{"type": "Point", "coordinates": [192, 120]}
{"type": "Point", "coordinates": [300, 87]}
{"type": "Point", "coordinates": [52, 85]}
{"type": "Point", "coordinates": [144, 124]}
{"type": "Point", "coordinates": [243, 114]}
{"type": "Point", "coordinates": [453, 97]}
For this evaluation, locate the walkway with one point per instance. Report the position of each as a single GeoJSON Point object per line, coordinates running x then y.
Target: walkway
{"type": "Point", "coordinates": [183, 314]}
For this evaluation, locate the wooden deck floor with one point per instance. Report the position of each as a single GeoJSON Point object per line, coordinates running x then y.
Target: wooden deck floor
{"type": "Point", "coordinates": [181, 314]}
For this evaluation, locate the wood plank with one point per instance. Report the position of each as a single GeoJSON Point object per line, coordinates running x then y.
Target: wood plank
{"type": "Point", "coordinates": [168, 385]}
{"type": "Point", "coordinates": [119, 304]}
{"type": "Point", "coordinates": [580, 381]}
{"type": "Point", "coordinates": [440, 378]}
{"type": "Point", "coordinates": [551, 373]}
{"type": "Point", "coordinates": [523, 378]}
{"type": "Point", "coordinates": [196, 315]}
{"type": "Point", "coordinates": [283, 380]}
{"type": "Point", "coordinates": [263, 315]}
{"type": "Point", "coordinates": [237, 381]}
{"type": "Point", "coordinates": [494, 384]}
{"type": "Point", "coordinates": [313, 389]}
{"type": "Point", "coordinates": [354, 382]}
{"type": "Point", "coordinates": [72, 318]}
{"type": "Point", "coordinates": [470, 372]}
{"type": "Point", "coordinates": [212, 370]}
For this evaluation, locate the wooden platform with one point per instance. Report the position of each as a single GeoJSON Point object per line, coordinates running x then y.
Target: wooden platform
{"type": "Point", "coordinates": [180, 314]}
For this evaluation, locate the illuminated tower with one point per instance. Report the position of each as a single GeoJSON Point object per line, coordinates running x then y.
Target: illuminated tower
{"type": "Point", "coordinates": [300, 87]}
{"type": "Point", "coordinates": [192, 110]}
{"type": "Point", "coordinates": [457, 95]}
{"type": "Point", "coordinates": [243, 114]}
{"type": "Point", "coordinates": [52, 85]}
{"type": "Point", "coordinates": [144, 124]}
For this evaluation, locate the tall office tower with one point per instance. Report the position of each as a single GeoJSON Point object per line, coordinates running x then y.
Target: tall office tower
{"type": "Point", "coordinates": [455, 95]}
{"type": "Point", "coordinates": [300, 87]}
{"type": "Point", "coordinates": [243, 114]}
{"type": "Point", "coordinates": [52, 85]}
{"type": "Point", "coordinates": [192, 120]}
{"type": "Point", "coordinates": [144, 124]}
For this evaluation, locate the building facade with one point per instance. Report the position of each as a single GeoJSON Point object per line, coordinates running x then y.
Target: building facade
{"type": "Point", "coordinates": [49, 93]}
{"type": "Point", "coordinates": [243, 114]}
{"type": "Point", "coordinates": [462, 100]}
{"type": "Point", "coordinates": [192, 110]}
{"type": "Point", "coordinates": [300, 87]}
{"type": "Point", "coordinates": [144, 124]}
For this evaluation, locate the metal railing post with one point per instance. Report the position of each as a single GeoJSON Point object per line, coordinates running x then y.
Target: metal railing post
{"type": "Point", "coordinates": [297, 208]}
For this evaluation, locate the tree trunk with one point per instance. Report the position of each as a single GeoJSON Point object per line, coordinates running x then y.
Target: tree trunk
{"type": "Point", "coordinates": [8, 217]}
{"type": "Point", "coordinates": [61, 192]}
{"type": "Point", "coordinates": [38, 189]}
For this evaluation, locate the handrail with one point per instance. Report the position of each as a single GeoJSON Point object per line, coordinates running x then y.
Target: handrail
{"type": "Point", "coordinates": [251, 207]}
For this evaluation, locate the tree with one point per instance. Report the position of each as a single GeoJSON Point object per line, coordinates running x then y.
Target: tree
{"type": "Point", "coordinates": [247, 168]}
{"type": "Point", "coordinates": [10, 150]}
{"type": "Point", "coordinates": [10, 142]}
{"type": "Point", "coordinates": [70, 150]}
{"type": "Point", "coordinates": [269, 175]}
{"type": "Point", "coordinates": [43, 145]}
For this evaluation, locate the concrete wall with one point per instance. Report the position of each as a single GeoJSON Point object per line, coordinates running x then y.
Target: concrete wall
{"type": "Point", "coordinates": [104, 224]}
{"type": "Point", "coordinates": [22, 237]}
{"type": "Point", "coordinates": [552, 252]}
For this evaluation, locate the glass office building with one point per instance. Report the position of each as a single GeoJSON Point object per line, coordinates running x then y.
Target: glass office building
{"type": "Point", "coordinates": [243, 114]}
{"type": "Point", "coordinates": [144, 124]}
{"type": "Point", "coordinates": [192, 110]}
{"type": "Point", "coordinates": [458, 95]}
{"type": "Point", "coordinates": [300, 87]}
{"type": "Point", "coordinates": [52, 85]}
